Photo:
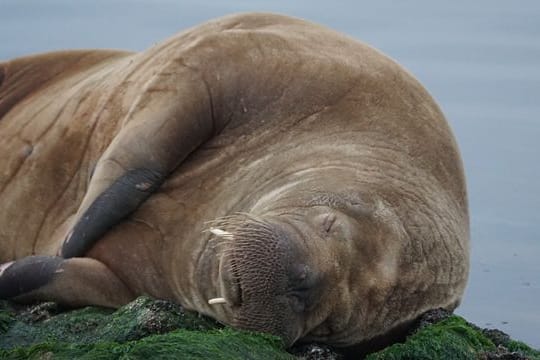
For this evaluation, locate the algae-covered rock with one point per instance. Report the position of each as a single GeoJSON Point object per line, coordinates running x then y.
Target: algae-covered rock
{"type": "Point", "coordinates": [90, 325]}
{"type": "Point", "coordinates": [143, 329]}
{"type": "Point", "coordinates": [157, 329]}
{"type": "Point", "coordinates": [178, 344]}
{"type": "Point", "coordinates": [451, 337]}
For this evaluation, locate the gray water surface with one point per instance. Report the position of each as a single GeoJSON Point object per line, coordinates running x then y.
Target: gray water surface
{"type": "Point", "coordinates": [480, 60]}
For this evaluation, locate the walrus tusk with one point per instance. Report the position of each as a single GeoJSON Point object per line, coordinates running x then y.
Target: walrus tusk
{"type": "Point", "coordinates": [221, 233]}
{"type": "Point", "coordinates": [217, 301]}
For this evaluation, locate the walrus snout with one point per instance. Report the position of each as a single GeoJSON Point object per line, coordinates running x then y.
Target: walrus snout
{"type": "Point", "coordinates": [265, 278]}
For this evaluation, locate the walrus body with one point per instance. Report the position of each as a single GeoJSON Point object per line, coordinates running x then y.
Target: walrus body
{"type": "Point", "coordinates": [301, 180]}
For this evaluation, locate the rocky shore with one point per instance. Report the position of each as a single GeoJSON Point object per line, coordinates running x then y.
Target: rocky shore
{"type": "Point", "coordinates": [156, 329]}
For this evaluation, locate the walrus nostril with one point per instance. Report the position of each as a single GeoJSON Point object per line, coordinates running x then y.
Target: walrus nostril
{"type": "Point", "coordinates": [304, 288]}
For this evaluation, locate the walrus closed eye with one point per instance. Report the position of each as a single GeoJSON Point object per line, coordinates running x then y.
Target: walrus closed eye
{"type": "Point", "coordinates": [260, 169]}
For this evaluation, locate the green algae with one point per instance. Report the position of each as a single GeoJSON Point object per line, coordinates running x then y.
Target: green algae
{"type": "Point", "coordinates": [452, 338]}
{"type": "Point", "coordinates": [6, 319]}
{"type": "Point", "coordinates": [146, 316]}
{"type": "Point", "coordinates": [157, 329]}
{"type": "Point", "coordinates": [143, 329]}
{"type": "Point", "coordinates": [78, 326]}
{"type": "Point", "coordinates": [449, 339]}
{"type": "Point", "coordinates": [178, 344]}
{"type": "Point", "coordinates": [91, 325]}
{"type": "Point", "coordinates": [523, 349]}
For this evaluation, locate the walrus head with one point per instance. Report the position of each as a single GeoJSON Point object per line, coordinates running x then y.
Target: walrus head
{"type": "Point", "coordinates": [295, 272]}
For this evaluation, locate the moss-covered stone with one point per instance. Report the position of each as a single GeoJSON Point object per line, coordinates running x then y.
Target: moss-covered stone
{"type": "Point", "coordinates": [6, 319]}
{"type": "Point", "coordinates": [510, 348]}
{"type": "Point", "coordinates": [90, 325]}
{"type": "Point", "coordinates": [451, 338]}
{"type": "Point", "coordinates": [178, 344]}
{"type": "Point", "coordinates": [143, 329]}
{"type": "Point", "coordinates": [157, 329]}
{"type": "Point", "coordinates": [454, 338]}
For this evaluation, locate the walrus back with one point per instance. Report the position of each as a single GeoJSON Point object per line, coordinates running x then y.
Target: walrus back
{"type": "Point", "coordinates": [29, 156]}
{"type": "Point", "coordinates": [22, 76]}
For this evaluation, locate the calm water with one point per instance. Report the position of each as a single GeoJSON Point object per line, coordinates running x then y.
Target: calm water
{"type": "Point", "coordinates": [480, 60]}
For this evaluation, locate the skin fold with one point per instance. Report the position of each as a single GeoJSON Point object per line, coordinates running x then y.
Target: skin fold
{"type": "Point", "coordinates": [301, 181]}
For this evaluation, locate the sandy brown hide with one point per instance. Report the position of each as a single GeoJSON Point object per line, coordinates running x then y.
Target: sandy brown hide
{"type": "Point", "coordinates": [255, 113]}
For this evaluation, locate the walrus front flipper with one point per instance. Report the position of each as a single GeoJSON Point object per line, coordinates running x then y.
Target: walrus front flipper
{"type": "Point", "coordinates": [169, 120]}
{"type": "Point", "coordinates": [111, 206]}
{"type": "Point", "coordinates": [73, 282]}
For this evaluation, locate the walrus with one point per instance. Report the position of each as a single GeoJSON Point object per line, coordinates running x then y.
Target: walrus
{"type": "Point", "coordinates": [260, 169]}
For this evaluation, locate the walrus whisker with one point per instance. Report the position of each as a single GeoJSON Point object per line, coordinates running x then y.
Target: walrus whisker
{"type": "Point", "coordinates": [218, 300]}
{"type": "Point", "coordinates": [219, 243]}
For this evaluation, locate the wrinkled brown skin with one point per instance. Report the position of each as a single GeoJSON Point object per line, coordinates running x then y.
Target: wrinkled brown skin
{"type": "Point", "coordinates": [335, 146]}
